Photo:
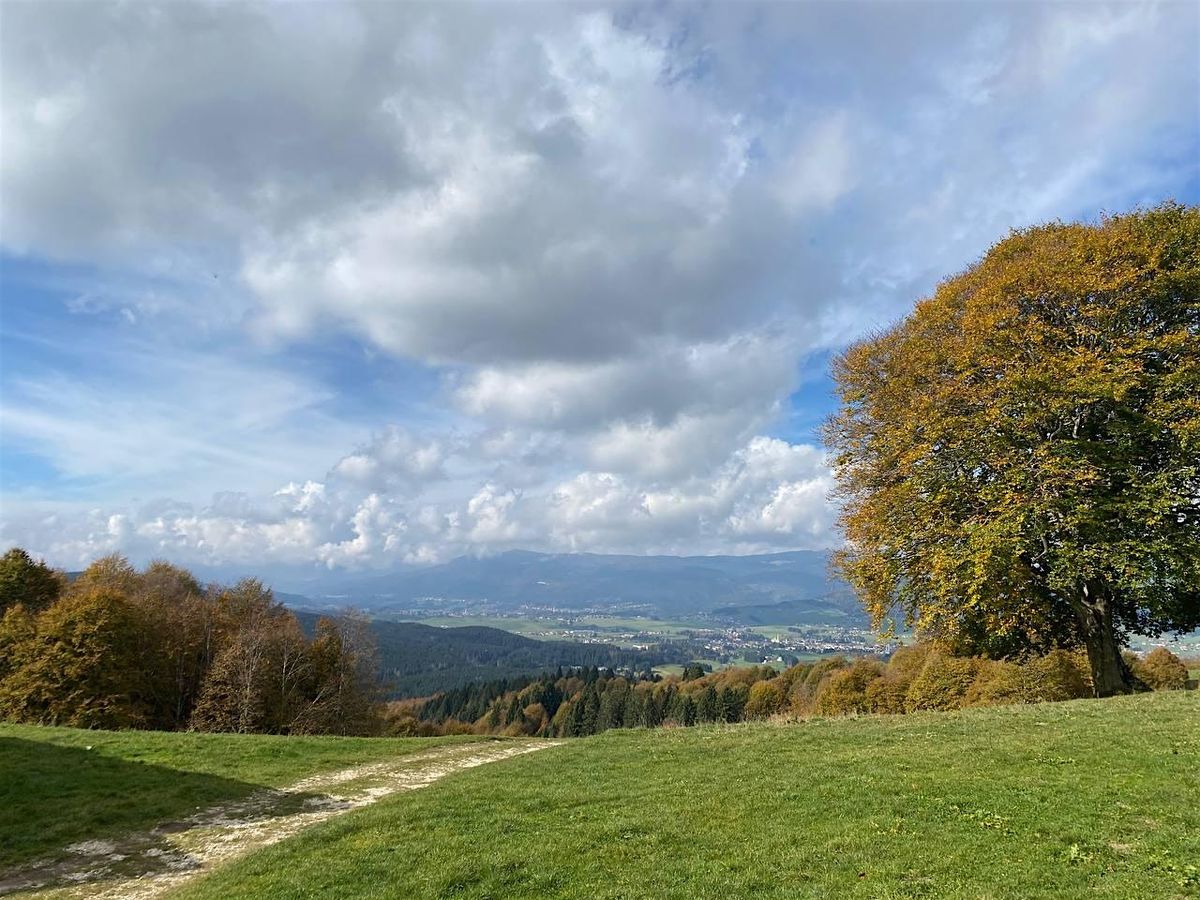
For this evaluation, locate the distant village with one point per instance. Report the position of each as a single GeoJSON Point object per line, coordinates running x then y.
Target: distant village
{"type": "Point", "coordinates": [722, 643]}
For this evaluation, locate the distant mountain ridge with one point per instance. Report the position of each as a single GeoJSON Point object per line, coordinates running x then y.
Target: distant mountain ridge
{"type": "Point", "coordinates": [665, 586]}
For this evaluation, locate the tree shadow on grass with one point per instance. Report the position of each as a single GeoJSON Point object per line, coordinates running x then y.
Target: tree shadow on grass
{"type": "Point", "coordinates": [53, 798]}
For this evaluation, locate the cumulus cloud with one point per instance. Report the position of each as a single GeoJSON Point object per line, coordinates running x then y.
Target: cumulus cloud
{"type": "Point", "coordinates": [766, 495]}
{"type": "Point", "coordinates": [598, 243]}
{"type": "Point", "coordinates": [392, 460]}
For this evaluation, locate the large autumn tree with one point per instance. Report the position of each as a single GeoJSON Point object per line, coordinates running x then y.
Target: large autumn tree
{"type": "Point", "coordinates": [1019, 459]}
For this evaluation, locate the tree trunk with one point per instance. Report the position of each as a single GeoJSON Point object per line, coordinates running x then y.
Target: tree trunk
{"type": "Point", "coordinates": [1110, 675]}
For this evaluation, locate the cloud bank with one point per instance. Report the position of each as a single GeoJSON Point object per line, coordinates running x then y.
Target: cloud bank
{"type": "Point", "coordinates": [365, 284]}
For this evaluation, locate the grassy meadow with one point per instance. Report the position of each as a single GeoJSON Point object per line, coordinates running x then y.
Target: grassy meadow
{"type": "Point", "coordinates": [1079, 799]}
{"type": "Point", "coordinates": [64, 785]}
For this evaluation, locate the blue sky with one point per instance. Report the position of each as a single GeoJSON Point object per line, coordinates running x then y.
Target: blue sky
{"type": "Point", "coordinates": [355, 286]}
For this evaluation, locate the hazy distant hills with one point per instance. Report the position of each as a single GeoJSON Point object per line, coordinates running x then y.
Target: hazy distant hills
{"type": "Point", "coordinates": [791, 588]}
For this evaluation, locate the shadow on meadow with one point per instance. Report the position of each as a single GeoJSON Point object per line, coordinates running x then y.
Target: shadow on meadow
{"type": "Point", "coordinates": [57, 796]}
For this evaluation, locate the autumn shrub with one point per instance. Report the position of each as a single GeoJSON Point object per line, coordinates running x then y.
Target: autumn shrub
{"type": "Point", "coordinates": [845, 690]}
{"type": "Point", "coordinates": [996, 682]}
{"type": "Point", "coordinates": [17, 630]}
{"type": "Point", "coordinates": [886, 695]}
{"type": "Point", "coordinates": [765, 700]}
{"type": "Point", "coordinates": [1161, 670]}
{"type": "Point", "coordinates": [408, 725]}
{"type": "Point", "coordinates": [1059, 675]}
{"type": "Point", "coordinates": [804, 691]}
{"type": "Point", "coordinates": [942, 683]}
{"type": "Point", "coordinates": [906, 663]}
{"type": "Point", "coordinates": [535, 718]}
{"type": "Point", "coordinates": [790, 679]}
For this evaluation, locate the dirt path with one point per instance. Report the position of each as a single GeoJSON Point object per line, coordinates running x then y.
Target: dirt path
{"type": "Point", "coordinates": [148, 864]}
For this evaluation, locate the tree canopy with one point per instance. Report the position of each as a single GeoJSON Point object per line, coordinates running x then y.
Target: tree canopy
{"type": "Point", "coordinates": [1019, 459]}
{"type": "Point", "coordinates": [123, 648]}
{"type": "Point", "coordinates": [34, 585]}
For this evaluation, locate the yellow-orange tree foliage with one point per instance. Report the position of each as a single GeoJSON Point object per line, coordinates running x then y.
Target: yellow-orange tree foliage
{"type": "Point", "coordinates": [1019, 459]}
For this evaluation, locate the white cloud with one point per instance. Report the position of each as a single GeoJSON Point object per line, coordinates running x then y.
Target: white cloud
{"type": "Point", "coordinates": [603, 243]}
{"type": "Point", "coordinates": [767, 494]}
{"type": "Point", "coordinates": [393, 460]}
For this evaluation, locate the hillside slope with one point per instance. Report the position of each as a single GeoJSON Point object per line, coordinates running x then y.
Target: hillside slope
{"type": "Point", "coordinates": [418, 660]}
{"type": "Point", "coordinates": [1079, 799]}
{"type": "Point", "coordinates": [61, 786]}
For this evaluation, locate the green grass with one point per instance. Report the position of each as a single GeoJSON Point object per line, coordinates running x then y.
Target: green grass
{"type": "Point", "coordinates": [714, 664]}
{"type": "Point", "coordinates": [63, 785]}
{"type": "Point", "coordinates": [672, 627]}
{"type": "Point", "coordinates": [1081, 799]}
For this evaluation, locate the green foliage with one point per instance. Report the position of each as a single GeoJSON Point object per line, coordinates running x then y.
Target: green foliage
{"type": "Point", "coordinates": [1018, 458]}
{"type": "Point", "coordinates": [707, 709]}
{"type": "Point", "coordinates": [420, 660]}
{"type": "Point", "coordinates": [1162, 670]}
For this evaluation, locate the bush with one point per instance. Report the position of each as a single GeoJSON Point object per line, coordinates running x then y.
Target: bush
{"type": "Point", "coordinates": [845, 691]}
{"type": "Point", "coordinates": [906, 663]}
{"type": "Point", "coordinates": [765, 699]}
{"type": "Point", "coordinates": [1059, 675]}
{"type": "Point", "coordinates": [1162, 670]}
{"type": "Point", "coordinates": [996, 683]}
{"type": "Point", "coordinates": [886, 695]}
{"type": "Point", "coordinates": [804, 692]}
{"type": "Point", "coordinates": [942, 683]}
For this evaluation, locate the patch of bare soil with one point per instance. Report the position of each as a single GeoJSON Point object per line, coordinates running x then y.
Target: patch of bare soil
{"type": "Point", "coordinates": [148, 864]}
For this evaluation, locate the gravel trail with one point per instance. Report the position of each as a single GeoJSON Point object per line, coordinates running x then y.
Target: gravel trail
{"type": "Point", "coordinates": [148, 864]}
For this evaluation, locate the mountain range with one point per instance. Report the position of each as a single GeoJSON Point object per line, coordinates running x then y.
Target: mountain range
{"type": "Point", "coordinates": [791, 587]}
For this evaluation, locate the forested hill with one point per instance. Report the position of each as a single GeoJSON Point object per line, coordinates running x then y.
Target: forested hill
{"type": "Point", "coordinates": [418, 660]}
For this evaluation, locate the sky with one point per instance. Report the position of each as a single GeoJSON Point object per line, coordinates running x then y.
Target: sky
{"type": "Point", "coordinates": [310, 286]}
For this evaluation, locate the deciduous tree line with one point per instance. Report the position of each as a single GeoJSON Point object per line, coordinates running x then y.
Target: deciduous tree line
{"type": "Point", "coordinates": [920, 677]}
{"type": "Point", "coordinates": [119, 648]}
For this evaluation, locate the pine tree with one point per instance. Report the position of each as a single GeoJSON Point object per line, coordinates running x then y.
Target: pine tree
{"type": "Point", "coordinates": [687, 711]}
{"type": "Point", "coordinates": [707, 707]}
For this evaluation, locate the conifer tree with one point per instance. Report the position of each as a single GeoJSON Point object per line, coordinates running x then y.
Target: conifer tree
{"type": "Point", "coordinates": [707, 707]}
